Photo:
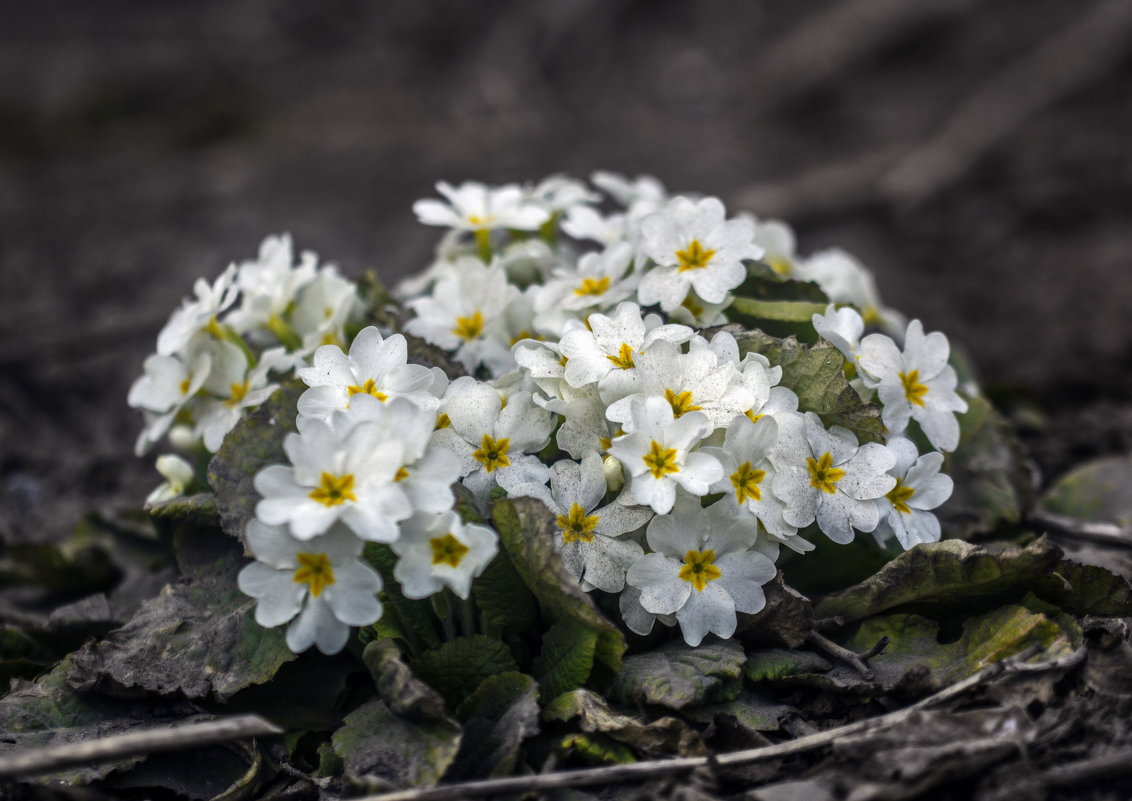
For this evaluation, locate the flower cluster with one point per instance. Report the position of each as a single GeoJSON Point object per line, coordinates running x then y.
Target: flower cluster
{"type": "Point", "coordinates": [673, 458]}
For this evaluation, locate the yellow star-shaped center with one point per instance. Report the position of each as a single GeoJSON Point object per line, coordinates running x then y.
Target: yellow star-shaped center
{"type": "Point", "coordinates": [661, 460]}
{"type": "Point", "coordinates": [681, 402]}
{"type": "Point", "coordinates": [746, 482]}
{"type": "Point", "coordinates": [315, 571]}
{"type": "Point", "coordinates": [914, 391]}
{"type": "Point", "coordinates": [624, 358]}
{"type": "Point", "coordinates": [492, 453]}
{"type": "Point", "coordinates": [823, 475]}
{"type": "Point", "coordinates": [447, 550]}
{"type": "Point", "coordinates": [699, 569]}
{"type": "Point", "coordinates": [694, 257]}
{"type": "Point", "coordinates": [334, 490]}
{"type": "Point", "coordinates": [593, 286]}
{"type": "Point", "coordinates": [368, 388]}
{"type": "Point", "coordinates": [576, 525]}
{"type": "Point", "coordinates": [899, 496]}
{"type": "Point", "coordinates": [470, 327]}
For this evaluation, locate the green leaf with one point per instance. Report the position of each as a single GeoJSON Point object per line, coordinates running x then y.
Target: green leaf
{"type": "Point", "coordinates": [1096, 491]}
{"type": "Point", "coordinates": [1086, 590]}
{"type": "Point", "coordinates": [678, 676]}
{"type": "Point", "coordinates": [21, 656]}
{"type": "Point", "coordinates": [993, 482]}
{"type": "Point", "coordinates": [505, 603]}
{"type": "Point", "coordinates": [413, 620]}
{"type": "Point", "coordinates": [593, 750]}
{"type": "Point", "coordinates": [753, 710]}
{"type": "Point", "coordinates": [308, 694]}
{"type": "Point", "coordinates": [198, 637]}
{"type": "Point", "coordinates": [787, 619]}
{"type": "Point", "coordinates": [566, 658]}
{"type": "Point", "coordinates": [497, 718]}
{"type": "Point", "coordinates": [526, 530]}
{"type": "Point", "coordinates": [255, 443]}
{"type": "Point", "coordinates": [950, 573]}
{"type": "Point", "coordinates": [790, 311]}
{"type": "Point", "coordinates": [770, 664]}
{"type": "Point", "coordinates": [666, 736]}
{"type": "Point", "coordinates": [194, 511]}
{"type": "Point", "coordinates": [457, 667]}
{"type": "Point", "coordinates": [404, 693]}
{"type": "Point", "coordinates": [817, 374]}
{"type": "Point", "coordinates": [380, 750]}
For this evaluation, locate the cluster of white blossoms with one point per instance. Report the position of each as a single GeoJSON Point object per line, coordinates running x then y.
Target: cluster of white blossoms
{"type": "Point", "coordinates": [676, 465]}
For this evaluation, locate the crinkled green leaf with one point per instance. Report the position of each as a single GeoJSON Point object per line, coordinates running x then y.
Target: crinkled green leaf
{"type": "Point", "coordinates": [753, 709]}
{"type": "Point", "coordinates": [817, 374]}
{"type": "Point", "coordinates": [198, 511]}
{"type": "Point", "coordinates": [49, 713]}
{"type": "Point", "coordinates": [677, 675]}
{"type": "Point", "coordinates": [566, 658]}
{"type": "Point", "coordinates": [197, 637]}
{"type": "Point", "coordinates": [586, 709]}
{"type": "Point", "coordinates": [526, 530]}
{"type": "Point", "coordinates": [21, 656]}
{"type": "Point", "coordinates": [787, 619]}
{"type": "Point", "coordinates": [769, 664]}
{"type": "Point", "coordinates": [506, 604]}
{"type": "Point", "coordinates": [1086, 590]}
{"type": "Point", "coordinates": [993, 480]}
{"type": "Point", "coordinates": [1097, 491]}
{"type": "Point", "coordinates": [789, 311]}
{"type": "Point", "coordinates": [457, 667]}
{"type": "Point", "coordinates": [497, 718]}
{"type": "Point", "coordinates": [380, 750]}
{"type": "Point", "coordinates": [410, 620]}
{"type": "Point", "coordinates": [255, 443]}
{"type": "Point", "coordinates": [950, 573]}
{"type": "Point", "coordinates": [404, 693]}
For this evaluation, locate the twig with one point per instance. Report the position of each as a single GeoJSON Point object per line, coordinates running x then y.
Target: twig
{"type": "Point", "coordinates": [149, 741]}
{"type": "Point", "coordinates": [856, 661]}
{"type": "Point", "coordinates": [1078, 773]}
{"type": "Point", "coordinates": [641, 771]}
{"type": "Point", "coordinates": [1107, 533]}
{"type": "Point", "coordinates": [1056, 68]}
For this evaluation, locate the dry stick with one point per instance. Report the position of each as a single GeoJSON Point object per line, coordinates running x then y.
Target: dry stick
{"type": "Point", "coordinates": [640, 771]}
{"type": "Point", "coordinates": [1062, 64]}
{"type": "Point", "coordinates": [851, 658]}
{"type": "Point", "coordinates": [1107, 533]}
{"type": "Point", "coordinates": [1077, 773]}
{"type": "Point", "coordinates": [150, 741]}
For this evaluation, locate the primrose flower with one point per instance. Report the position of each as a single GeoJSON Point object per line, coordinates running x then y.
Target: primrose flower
{"type": "Point", "coordinates": [843, 328]}
{"type": "Point", "coordinates": [905, 510]}
{"type": "Point", "coordinates": [167, 385]}
{"type": "Point", "coordinates": [473, 206]}
{"type": "Point", "coordinates": [560, 193]}
{"type": "Point", "coordinates": [657, 454]}
{"type": "Point", "coordinates": [322, 309]}
{"type": "Point", "coordinates": [916, 384]}
{"type": "Point", "coordinates": [178, 474]}
{"type": "Point", "coordinates": [589, 534]}
{"type": "Point", "coordinates": [375, 366]}
{"type": "Point", "coordinates": [598, 281]}
{"type": "Point", "coordinates": [319, 584]}
{"type": "Point", "coordinates": [695, 247]}
{"type": "Point", "coordinates": [834, 480]}
{"type": "Point", "coordinates": [337, 472]}
{"type": "Point", "coordinates": [195, 316]}
{"type": "Point", "coordinates": [846, 280]}
{"type": "Point", "coordinates": [778, 242]}
{"type": "Point", "coordinates": [232, 389]}
{"type": "Point", "coordinates": [268, 286]}
{"type": "Point", "coordinates": [641, 195]}
{"type": "Point", "coordinates": [701, 570]}
{"type": "Point", "coordinates": [438, 551]}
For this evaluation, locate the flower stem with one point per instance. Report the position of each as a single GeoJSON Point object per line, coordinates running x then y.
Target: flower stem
{"type": "Point", "coordinates": [483, 242]}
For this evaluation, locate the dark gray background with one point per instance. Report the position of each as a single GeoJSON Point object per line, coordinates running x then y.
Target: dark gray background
{"type": "Point", "coordinates": [145, 143]}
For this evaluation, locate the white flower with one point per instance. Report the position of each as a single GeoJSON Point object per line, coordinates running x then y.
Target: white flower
{"type": "Point", "coordinates": [695, 311]}
{"type": "Point", "coordinates": [559, 193]}
{"type": "Point", "coordinates": [777, 239]}
{"type": "Point", "coordinates": [585, 428]}
{"type": "Point", "coordinates": [846, 280]}
{"type": "Point", "coordinates": [232, 388]}
{"type": "Point", "coordinates": [589, 538]}
{"type": "Point", "coordinates": [657, 454]}
{"type": "Point", "coordinates": [904, 511]}
{"type": "Point", "coordinates": [695, 247]}
{"type": "Point", "coordinates": [701, 570]}
{"type": "Point", "coordinates": [543, 362]}
{"type": "Point", "coordinates": [748, 474]}
{"type": "Point", "coordinates": [465, 313]}
{"type": "Point", "coordinates": [636, 617]}
{"type": "Point", "coordinates": [323, 308]}
{"type": "Point", "coordinates": [319, 583]}
{"type": "Point", "coordinates": [587, 223]}
{"type": "Point", "coordinates": [917, 384]}
{"type": "Point", "coordinates": [375, 366]}
{"type": "Point", "coordinates": [492, 440]}
{"type": "Point", "coordinates": [472, 206]}
{"type": "Point", "coordinates": [438, 551]}
{"type": "Point", "coordinates": [597, 281]}
{"type": "Point", "coordinates": [608, 350]}
{"type": "Point", "coordinates": [843, 328]}
{"type": "Point", "coordinates": [268, 286]}
{"type": "Point", "coordinates": [178, 474]}
{"type": "Point", "coordinates": [197, 315]}
{"type": "Point", "coordinates": [641, 195]}
{"type": "Point", "coordinates": [836, 483]}
{"type": "Point", "coordinates": [338, 472]}
{"type": "Point", "coordinates": [169, 382]}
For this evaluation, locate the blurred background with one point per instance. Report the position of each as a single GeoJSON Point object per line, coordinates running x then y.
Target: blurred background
{"type": "Point", "coordinates": [976, 155]}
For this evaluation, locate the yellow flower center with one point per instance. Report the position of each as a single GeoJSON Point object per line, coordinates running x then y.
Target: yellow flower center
{"type": "Point", "coordinates": [492, 453]}
{"type": "Point", "coordinates": [576, 525]}
{"type": "Point", "coordinates": [442, 421]}
{"type": "Point", "coordinates": [899, 496]}
{"type": "Point", "coordinates": [746, 482]}
{"type": "Point", "coordinates": [699, 568]}
{"type": "Point", "coordinates": [368, 388]}
{"type": "Point", "coordinates": [468, 328]}
{"type": "Point", "coordinates": [481, 222]}
{"type": "Point", "coordinates": [690, 304]}
{"type": "Point", "coordinates": [334, 490]}
{"type": "Point", "coordinates": [778, 264]}
{"type": "Point", "coordinates": [315, 571]}
{"type": "Point", "coordinates": [694, 257]}
{"type": "Point", "coordinates": [661, 460]}
{"type": "Point", "coordinates": [236, 393]}
{"type": "Point", "coordinates": [447, 550]}
{"type": "Point", "coordinates": [754, 418]}
{"type": "Point", "coordinates": [593, 286]}
{"type": "Point", "coordinates": [681, 402]}
{"type": "Point", "coordinates": [527, 334]}
{"type": "Point", "coordinates": [401, 474]}
{"type": "Point", "coordinates": [624, 357]}
{"type": "Point", "coordinates": [823, 475]}
{"type": "Point", "coordinates": [185, 386]}
{"type": "Point", "coordinates": [914, 391]}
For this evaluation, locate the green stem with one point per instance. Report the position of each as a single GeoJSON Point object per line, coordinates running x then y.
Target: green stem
{"type": "Point", "coordinates": [442, 606]}
{"type": "Point", "coordinates": [284, 332]}
{"type": "Point", "coordinates": [483, 241]}
{"type": "Point", "coordinates": [467, 609]}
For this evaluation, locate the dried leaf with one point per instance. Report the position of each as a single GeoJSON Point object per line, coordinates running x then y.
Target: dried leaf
{"type": "Point", "coordinates": [677, 675]}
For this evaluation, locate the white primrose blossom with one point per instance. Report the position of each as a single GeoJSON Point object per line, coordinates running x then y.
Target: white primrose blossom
{"type": "Point", "coordinates": [843, 328]}
{"type": "Point", "coordinates": [833, 480]}
{"type": "Point", "coordinates": [178, 474]}
{"type": "Point", "coordinates": [322, 309]}
{"type": "Point", "coordinates": [589, 534]}
{"type": "Point", "coordinates": [916, 384]}
{"type": "Point", "coordinates": [318, 583]}
{"type": "Point", "coordinates": [598, 281]}
{"type": "Point", "coordinates": [920, 487]}
{"type": "Point", "coordinates": [701, 570]}
{"type": "Point", "coordinates": [268, 287]}
{"type": "Point", "coordinates": [166, 387]}
{"type": "Point", "coordinates": [658, 454]}
{"type": "Point", "coordinates": [473, 206]}
{"type": "Point", "coordinates": [845, 280]}
{"type": "Point", "coordinates": [198, 315]}
{"type": "Point", "coordinates": [695, 247]}
{"type": "Point", "coordinates": [438, 551]}
{"type": "Point", "coordinates": [232, 389]}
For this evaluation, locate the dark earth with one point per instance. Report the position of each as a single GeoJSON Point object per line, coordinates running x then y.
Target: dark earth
{"type": "Point", "coordinates": [975, 155]}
